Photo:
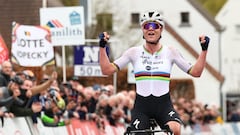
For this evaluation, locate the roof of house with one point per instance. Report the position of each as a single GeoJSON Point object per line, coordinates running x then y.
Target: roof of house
{"type": "Point", "coordinates": [206, 15]}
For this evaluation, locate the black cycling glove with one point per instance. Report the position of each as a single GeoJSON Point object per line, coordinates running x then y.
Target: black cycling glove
{"type": "Point", "coordinates": [205, 44]}
{"type": "Point", "coordinates": [102, 42]}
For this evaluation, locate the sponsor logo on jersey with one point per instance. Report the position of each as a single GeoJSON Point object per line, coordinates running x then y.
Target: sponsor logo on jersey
{"type": "Point", "coordinates": [136, 123]}
{"type": "Point", "coordinates": [171, 113]}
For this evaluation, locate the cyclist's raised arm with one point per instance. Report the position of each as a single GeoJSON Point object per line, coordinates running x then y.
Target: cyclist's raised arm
{"type": "Point", "coordinates": [107, 67]}
{"type": "Point", "coordinates": [198, 67]}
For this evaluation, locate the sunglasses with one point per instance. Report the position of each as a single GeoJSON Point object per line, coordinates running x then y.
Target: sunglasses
{"type": "Point", "coordinates": [154, 25]}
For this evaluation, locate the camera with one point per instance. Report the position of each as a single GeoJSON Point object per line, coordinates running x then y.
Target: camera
{"type": "Point", "coordinates": [17, 80]}
{"type": "Point", "coordinates": [52, 92]}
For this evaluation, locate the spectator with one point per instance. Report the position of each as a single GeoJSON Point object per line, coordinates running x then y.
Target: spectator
{"type": "Point", "coordinates": [26, 94]}
{"type": "Point", "coordinates": [110, 89]}
{"type": "Point", "coordinates": [28, 74]}
{"type": "Point", "coordinates": [9, 95]}
{"type": "Point", "coordinates": [111, 110]}
{"type": "Point", "coordinates": [54, 116]}
{"type": "Point", "coordinates": [70, 111]}
{"type": "Point", "coordinates": [102, 105]}
{"type": "Point", "coordinates": [53, 113]}
{"type": "Point", "coordinates": [81, 107]}
{"type": "Point", "coordinates": [67, 92]}
{"type": "Point", "coordinates": [5, 73]}
{"type": "Point", "coordinates": [76, 108]}
{"type": "Point", "coordinates": [235, 115]}
{"type": "Point", "coordinates": [90, 100]}
{"type": "Point", "coordinates": [24, 109]}
{"type": "Point", "coordinates": [76, 84]}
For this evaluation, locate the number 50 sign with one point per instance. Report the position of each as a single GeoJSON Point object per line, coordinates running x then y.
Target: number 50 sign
{"type": "Point", "coordinates": [86, 61]}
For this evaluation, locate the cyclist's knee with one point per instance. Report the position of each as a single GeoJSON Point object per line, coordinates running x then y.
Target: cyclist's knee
{"type": "Point", "coordinates": [175, 127]}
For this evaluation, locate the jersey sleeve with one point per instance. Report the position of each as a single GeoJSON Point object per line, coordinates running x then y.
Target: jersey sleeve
{"type": "Point", "coordinates": [180, 61]}
{"type": "Point", "coordinates": [122, 61]}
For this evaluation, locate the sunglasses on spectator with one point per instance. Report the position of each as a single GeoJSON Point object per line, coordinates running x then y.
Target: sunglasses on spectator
{"type": "Point", "coordinates": [154, 25]}
{"type": "Point", "coordinates": [32, 78]}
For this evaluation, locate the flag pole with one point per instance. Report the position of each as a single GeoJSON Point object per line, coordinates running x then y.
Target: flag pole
{"type": "Point", "coordinates": [44, 5]}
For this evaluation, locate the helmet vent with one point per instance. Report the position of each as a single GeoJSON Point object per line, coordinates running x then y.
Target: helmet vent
{"type": "Point", "coordinates": [150, 14]}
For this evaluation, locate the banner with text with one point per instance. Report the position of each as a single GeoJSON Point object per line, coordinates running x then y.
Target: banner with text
{"type": "Point", "coordinates": [31, 45]}
{"type": "Point", "coordinates": [3, 50]}
{"type": "Point", "coordinates": [86, 60]}
{"type": "Point", "coordinates": [66, 24]}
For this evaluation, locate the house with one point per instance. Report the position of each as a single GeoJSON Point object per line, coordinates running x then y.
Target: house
{"type": "Point", "coordinates": [185, 21]}
{"type": "Point", "coordinates": [229, 18]}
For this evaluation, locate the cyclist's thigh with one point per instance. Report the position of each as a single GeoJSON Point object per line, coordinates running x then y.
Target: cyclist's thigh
{"type": "Point", "coordinates": [139, 121]}
{"type": "Point", "coordinates": [166, 112]}
{"type": "Point", "coordinates": [165, 117]}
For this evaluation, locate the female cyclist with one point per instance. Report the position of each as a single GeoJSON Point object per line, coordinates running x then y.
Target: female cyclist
{"type": "Point", "coordinates": [152, 64]}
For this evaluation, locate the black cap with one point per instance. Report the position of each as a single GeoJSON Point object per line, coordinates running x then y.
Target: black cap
{"type": "Point", "coordinates": [17, 80]}
{"type": "Point", "coordinates": [74, 78]}
{"type": "Point", "coordinates": [67, 84]}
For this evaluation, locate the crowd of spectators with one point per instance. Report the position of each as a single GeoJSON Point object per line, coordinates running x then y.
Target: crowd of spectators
{"type": "Point", "coordinates": [193, 112]}
{"type": "Point", "coordinates": [56, 103]}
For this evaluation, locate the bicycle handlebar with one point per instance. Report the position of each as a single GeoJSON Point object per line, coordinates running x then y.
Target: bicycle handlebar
{"type": "Point", "coordinates": [166, 130]}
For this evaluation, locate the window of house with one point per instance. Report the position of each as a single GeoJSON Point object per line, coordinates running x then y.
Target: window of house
{"type": "Point", "coordinates": [182, 88]}
{"type": "Point", "coordinates": [185, 19]}
{"type": "Point", "coordinates": [238, 28]}
{"type": "Point", "coordinates": [135, 19]}
{"type": "Point", "coordinates": [232, 103]}
{"type": "Point", "coordinates": [104, 22]}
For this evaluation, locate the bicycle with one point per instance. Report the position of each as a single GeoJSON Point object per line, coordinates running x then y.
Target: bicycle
{"type": "Point", "coordinates": [150, 131]}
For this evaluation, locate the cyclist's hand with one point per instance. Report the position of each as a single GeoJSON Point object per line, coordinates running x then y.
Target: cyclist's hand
{"type": "Point", "coordinates": [204, 41]}
{"type": "Point", "coordinates": [104, 37]}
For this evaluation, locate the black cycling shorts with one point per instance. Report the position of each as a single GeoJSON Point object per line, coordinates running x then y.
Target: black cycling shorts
{"type": "Point", "coordinates": [151, 107]}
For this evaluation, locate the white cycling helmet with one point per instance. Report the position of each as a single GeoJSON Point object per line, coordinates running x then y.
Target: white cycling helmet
{"type": "Point", "coordinates": [151, 16]}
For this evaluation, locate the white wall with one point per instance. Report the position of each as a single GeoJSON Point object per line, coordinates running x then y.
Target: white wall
{"type": "Point", "coordinates": [229, 18]}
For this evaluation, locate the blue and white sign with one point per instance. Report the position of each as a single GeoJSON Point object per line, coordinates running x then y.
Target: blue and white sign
{"type": "Point", "coordinates": [66, 24]}
{"type": "Point", "coordinates": [86, 61]}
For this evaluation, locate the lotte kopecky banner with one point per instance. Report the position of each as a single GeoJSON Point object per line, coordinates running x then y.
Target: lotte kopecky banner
{"type": "Point", "coordinates": [31, 46]}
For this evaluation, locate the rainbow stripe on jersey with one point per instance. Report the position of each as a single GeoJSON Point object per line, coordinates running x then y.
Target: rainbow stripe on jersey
{"type": "Point", "coordinates": [143, 75]}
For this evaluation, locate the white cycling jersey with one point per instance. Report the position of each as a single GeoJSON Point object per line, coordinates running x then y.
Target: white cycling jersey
{"type": "Point", "coordinates": [152, 71]}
